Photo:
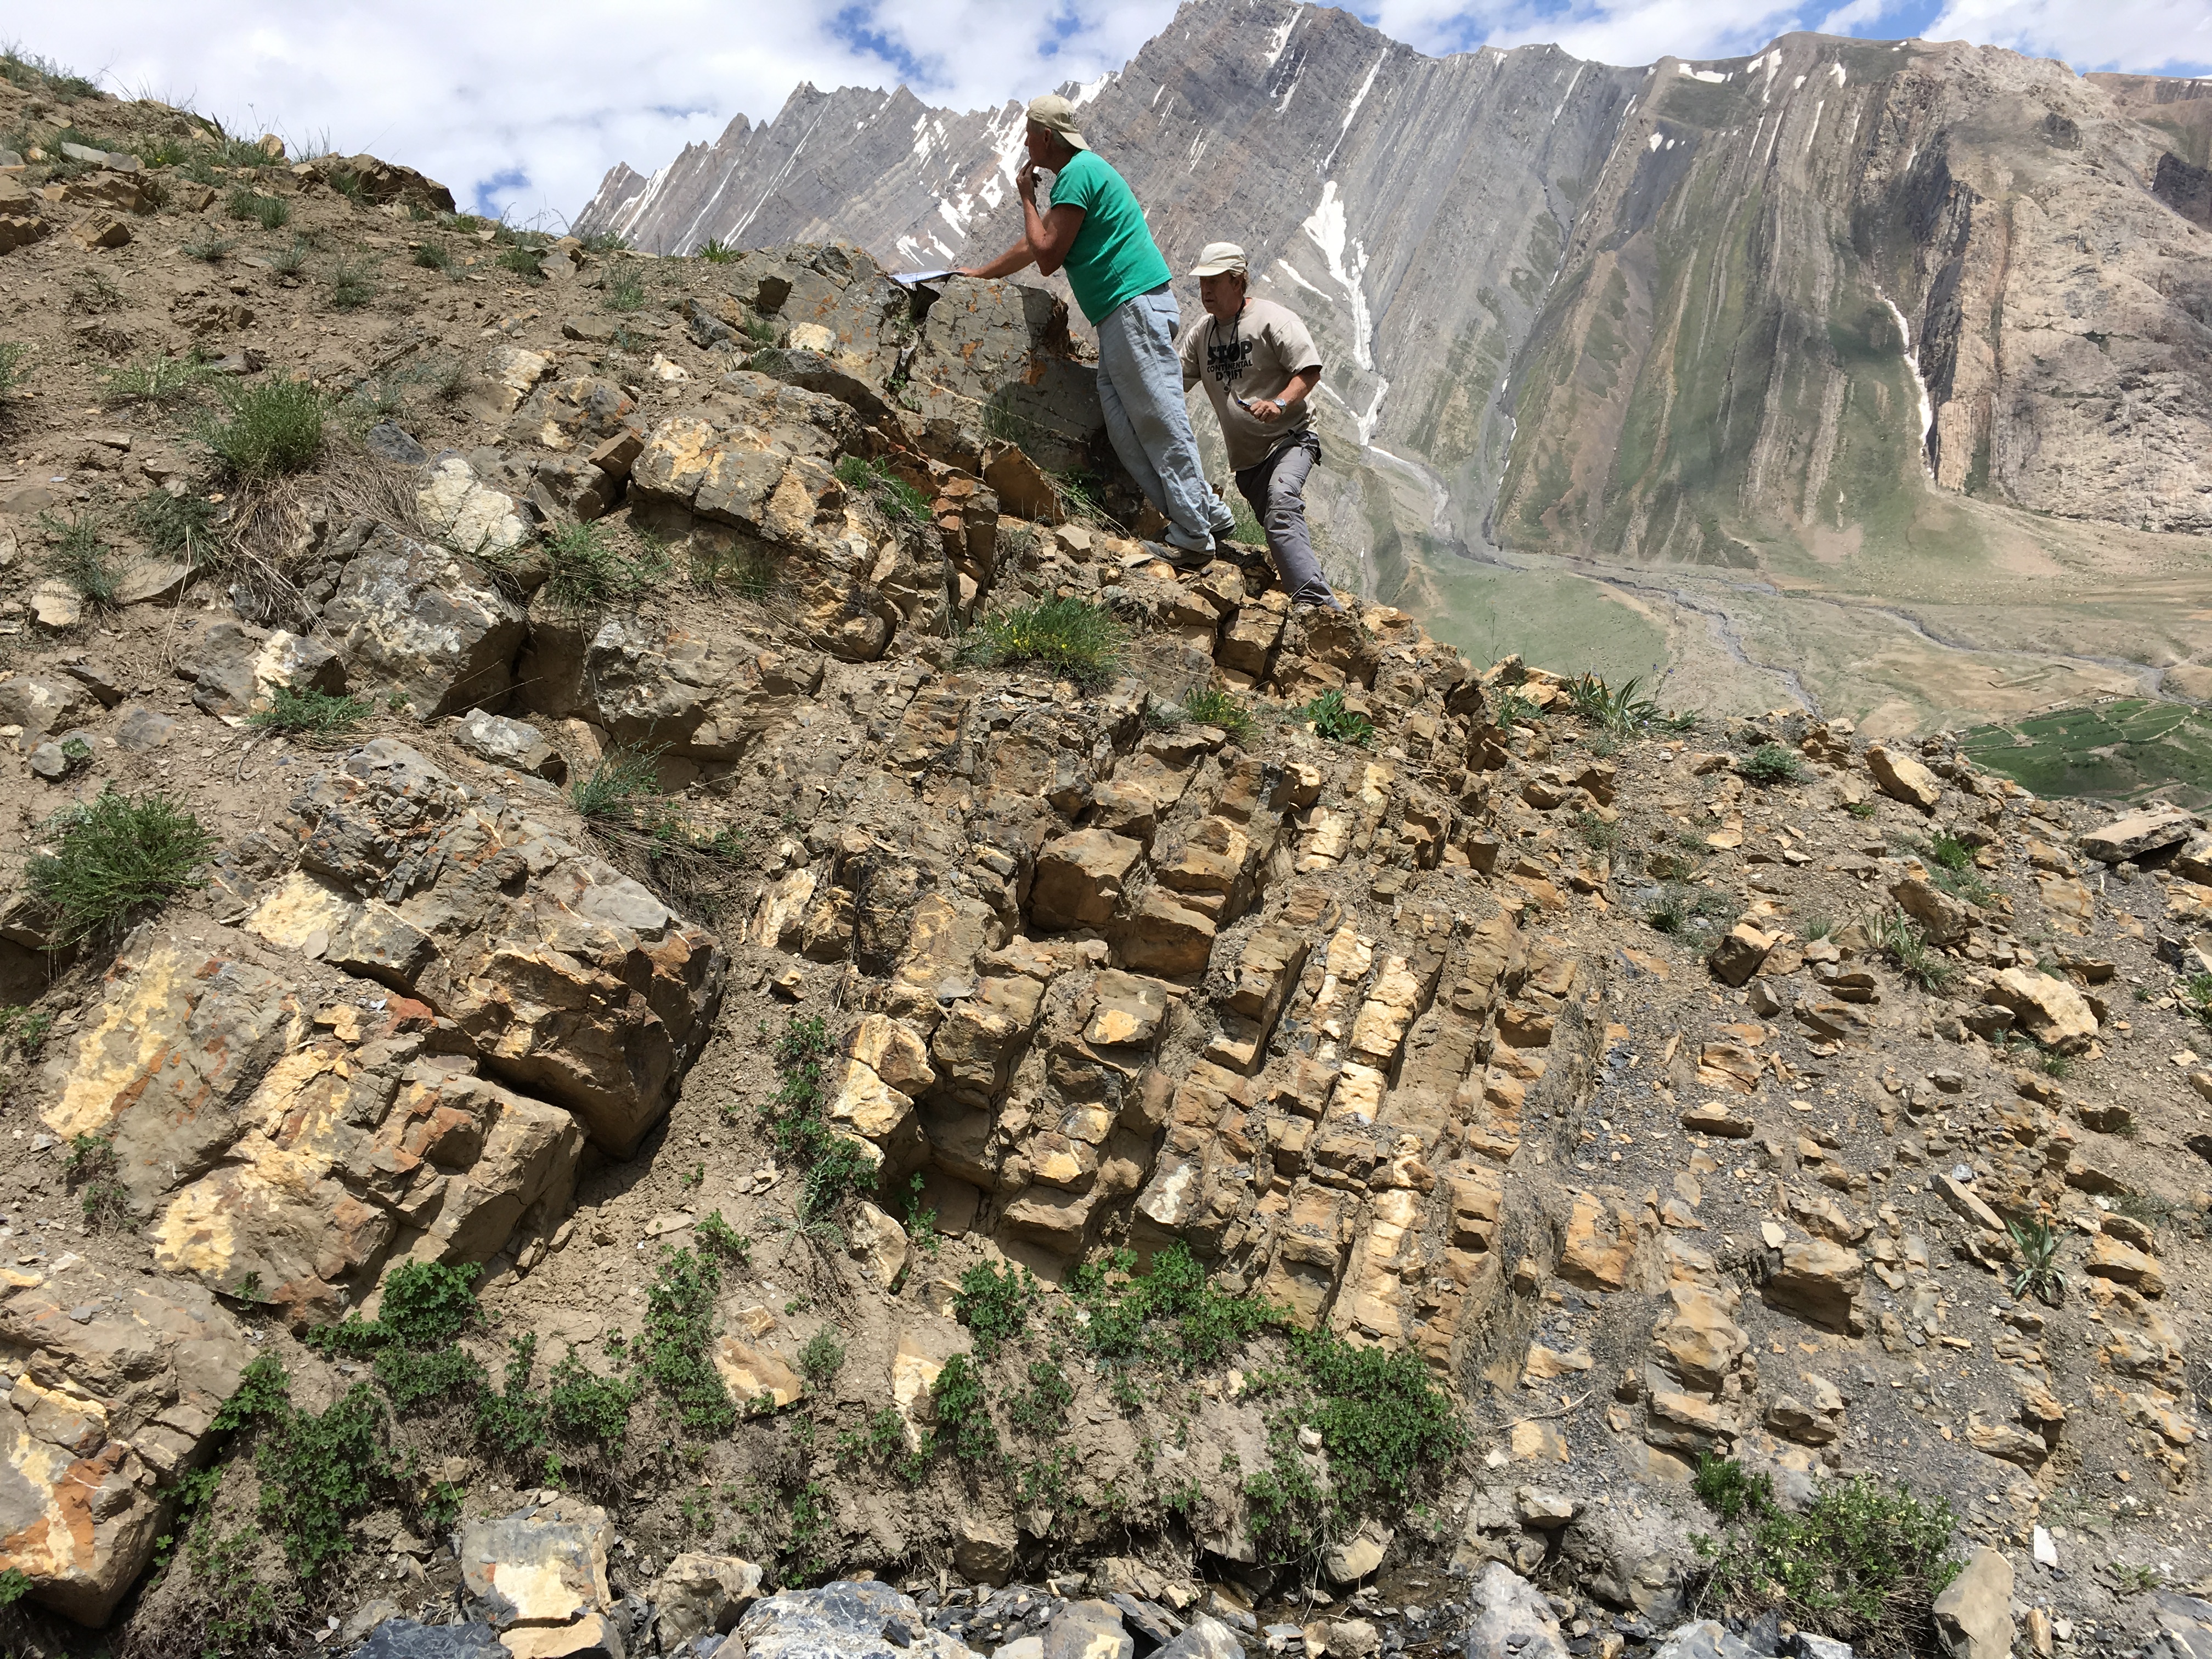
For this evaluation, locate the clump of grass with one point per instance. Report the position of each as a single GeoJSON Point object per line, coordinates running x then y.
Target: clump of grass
{"type": "Point", "coordinates": [898, 500]}
{"type": "Point", "coordinates": [81, 557]}
{"type": "Point", "coordinates": [1597, 835]}
{"type": "Point", "coordinates": [315, 716]}
{"type": "Point", "coordinates": [1859, 809]}
{"type": "Point", "coordinates": [1215, 706]}
{"type": "Point", "coordinates": [1905, 943]}
{"type": "Point", "coordinates": [94, 1173]}
{"type": "Point", "coordinates": [623, 290]}
{"type": "Point", "coordinates": [26, 1029]}
{"type": "Point", "coordinates": [182, 527]}
{"type": "Point", "coordinates": [1072, 638]}
{"type": "Point", "coordinates": [1330, 718]}
{"type": "Point", "coordinates": [13, 356]}
{"type": "Point", "coordinates": [269, 212]}
{"type": "Point", "coordinates": [1862, 1563]}
{"type": "Point", "coordinates": [432, 256]}
{"type": "Point", "coordinates": [746, 572]}
{"type": "Point", "coordinates": [1244, 526]}
{"type": "Point", "coordinates": [160, 380]}
{"type": "Point", "coordinates": [91, 294]}
{"type": "Point", "coordinates": [2038, 1274]}
{"type": "Point", "coordinates": [353, 284]}
{"type": "Point", "coordinates": [113, 855]}
{"type": "Point", "coordinates": [292, 259]}
{"type": "Point", "coordinates": [523, 261]}
{"type": "Point", "coordinates": [606, 241]}
{"type": "Point", "coordinates": [587, 570]}
{"type": "Point", "coordinates": [1516, 707]}
{"type": "Point", "coordinates": [269, 429]}
{"type": "Point", "coordinates": [208, 247]}
{"type": "Point", "coordinates": [1770, 764]}
{"type": "Point", "coordinates": [716, 251]}
{"type": "Point", "coordinates": [1954, 872]}
{"type": "Point", "coordinates": [1619, 711]}
{"type": "Point", "coordinates": [447, 379]}
{"type": "Point", "coordinates": [611, 791]}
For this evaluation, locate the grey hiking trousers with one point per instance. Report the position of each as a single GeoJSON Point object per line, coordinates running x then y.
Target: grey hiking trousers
{"type": "Point", "coordinates": [1276, 488]}
{"type": "Point", "coordinates": [1140, 391]}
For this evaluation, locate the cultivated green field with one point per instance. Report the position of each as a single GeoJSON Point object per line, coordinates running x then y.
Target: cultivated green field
{"type": "Point", "coordinates": [2126, 749]}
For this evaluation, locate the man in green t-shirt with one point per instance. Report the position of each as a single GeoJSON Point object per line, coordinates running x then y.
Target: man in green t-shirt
{"type": "Point", "coordinates": [1094, 230]}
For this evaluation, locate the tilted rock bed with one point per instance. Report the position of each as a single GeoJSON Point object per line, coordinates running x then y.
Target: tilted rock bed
{"type": "Point", "coordinates": [1380, 1032]}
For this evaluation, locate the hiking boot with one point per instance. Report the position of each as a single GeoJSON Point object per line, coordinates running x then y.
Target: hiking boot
{"type": "Point", "coordinates": [1182, 558]}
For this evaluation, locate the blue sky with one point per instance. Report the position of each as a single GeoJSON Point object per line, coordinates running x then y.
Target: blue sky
{"type": "Point", "coordinates": [521, 108]}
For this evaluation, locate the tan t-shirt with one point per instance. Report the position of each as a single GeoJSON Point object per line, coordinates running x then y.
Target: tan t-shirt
{"type": "Point", "coordinates": [1252, 358]}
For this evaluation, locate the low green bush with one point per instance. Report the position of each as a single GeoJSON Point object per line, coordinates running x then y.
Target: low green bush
{"type": "Point", "coordinates": [110, 856]}
{"type": "Point", "coordinates": [1214, 706]}
{"type": "Point", "coordinates": [1863, 1563]}
{"type": "Point", "coordinates": [182, 527]}
{"type": "Point", "coordinates": [13, 354]}
{"type": "Point", "coordinates": [588, 570]}
{"type": "Point", "coordinates": [1770, 764]}
{"type": "Point", "coordinates": [353, 283]}
{"type": "Point", "coordinates": [269, 212]}
{"type": "Point", "coordinates": [994, 1303]}
{"type": "Point", "coordinates": [961, 1407]}
{"type": "Point", "coordinates": [1072, 638]}
{"type": "Point", "coordinates": [311, 715]}
{"type": "Point", "coordinates": [1330, 718]}
{"type": "Point", "coordinates": [822, 1358]}
{"type": "Point", "coordinates": [897, 500]}
{"type": "Point", "coordinates": [81, 557]}
{"type": "Point", "coordinates": [1171, 1315]}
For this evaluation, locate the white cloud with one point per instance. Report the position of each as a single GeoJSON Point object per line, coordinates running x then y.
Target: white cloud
{"type": "Point", "coordinates": [524, 106]}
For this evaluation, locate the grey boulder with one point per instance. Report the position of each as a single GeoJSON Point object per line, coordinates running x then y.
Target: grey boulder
{"type": "Point", "coordinates": [425, 620]}
{"type": "Point", "coordinates": [514, 744]}
{"type": "Point", "coordinates": [843, 1620]}
{"type": "Point", "coordinates": [1516, 1622]}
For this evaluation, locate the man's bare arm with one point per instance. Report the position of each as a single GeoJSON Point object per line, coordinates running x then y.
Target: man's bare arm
{"type": "Point", "coordinates": [1299, 389]}
{"type": "Point", "coordinates": [1045, 237]}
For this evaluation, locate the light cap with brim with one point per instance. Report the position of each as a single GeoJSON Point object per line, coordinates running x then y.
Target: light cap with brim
{"type": "Point", "coordinates": [1219, 258]}
{"type": "Point", "coordinates": [1055, 114]}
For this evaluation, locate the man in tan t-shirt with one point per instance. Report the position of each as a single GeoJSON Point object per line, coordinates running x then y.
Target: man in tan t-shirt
{"type": "Point", "coordinates": [1259, 366]}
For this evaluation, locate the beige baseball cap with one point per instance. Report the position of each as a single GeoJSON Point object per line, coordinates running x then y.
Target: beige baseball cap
{"type": "Point", "coordinates": [1056, 114]}
{"type": "Point", "coordinates": [1219, 257]}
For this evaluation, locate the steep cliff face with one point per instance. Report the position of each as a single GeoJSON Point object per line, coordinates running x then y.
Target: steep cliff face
{"type": "Point", "coordinates": [1918, 333]}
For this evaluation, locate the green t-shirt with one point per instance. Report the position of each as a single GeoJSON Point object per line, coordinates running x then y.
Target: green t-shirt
{"type": "Point", "coordinates": [1113, 257]}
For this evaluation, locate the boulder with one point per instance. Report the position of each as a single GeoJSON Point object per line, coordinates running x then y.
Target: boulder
{"type": "Point", "coordinates": [1512, 1618]}
{"type": "Point", "coordinates": [1088, 1630]}
{"type": "Point", "coordinates": [2049, 1010]}
{"type": "Point", "coordinates": [514, 744]}
{"type": "Point", "coordinates": [1736, 957]}
{"type": "Point", "coordinates": [1707, 1638]}
{"type": "Point", "coordinates": [1360, 1555]}
{"type": "Point", "coordinates": [995, 358]}
{"type": "Point", "coordinates": [580, 413]}
{"type": "Point", "coordinates": [468, 515]}
{"type": "Point", "coordinates": [656, 687]}
{"type": "Point", "coordinates": [43, 704]}
{"type": "Point", "coordinates": [545, 1565]}
{"type": "Point", "coordinates": [1079, 879]}
{"type": "Point", "coordinates": [1163, 935]}
{"type": "Point", "coordinates": [852, 1618]}
{"type": "Point", "coordinates": [1947, 920]}
{"type": "Point", "coordinates": [696, 1595]}
{"type": "Point", "coordinates": [427, 621]}
{"type": "Point", "coordinates": [126, 1374]}
{"type": "Point", "coordinates": [406, 1638]}
{"type": "Point", "coordinates": [564, 975]}
{"type": "Point", "coordinates": [1902, 778]}
{"type": "Point", "coordinates": [236, 669]}
{"type": "Point", "coordinates": [1205, 1637]}
{"type": "Point", "coordinates": [1819, 1282]}
{"type": "Point", "coordinates": [1973, 1615]}
{"type": "Point", "coordinates": [2135, 834]}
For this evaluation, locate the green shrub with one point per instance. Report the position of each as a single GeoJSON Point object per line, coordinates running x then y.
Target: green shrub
{"type": "Point", "coordinates": [587, 570]}
{"type": "Point", "coordinates": [1073, 638]}
{"type": "Point", "coordinates": [963, 1412]}
{"type": "Point", "coordinates": [81, 557]}
{"type": "Point", "coordinates": [1215, 706]}
{"type": "Point", "coordinates": [1862, 1563]}
{"type": "Point", "coordinates": [311, 715]}
{"type": "Point", "coordinates": [1859, 809]}
{"type": "Point", "coordinates": [1172, 1315]}
{"type": "Point", "coordinates": [110, 856]}
{"type": "Point", "coordinates": [1330, 718]}
{"type": "Point", "coordinates": [994, 1303]}
{"type": "Point", "coordinates": [674, 1351]}
{"type": "Point", "coordinates": [353, 283]}
{"type": "Point", "coordinates": [208, 247]}
{"type": "Point", "coordinates": [15, 1585]}
{"type": "Point", "coordinates": [621, 785]}
{"type": "Point", "coordinates": [269, 429]}
{"type": "Point", "coordinates": [1730, 1491]}
{"type": "Point", "coordinates": [319, 1473]}
{"type": "Point", "coordinates": [606, 242]}
{"type": "Point", "coordinates": [511, 1420]}
{"type": "Point", "coordinates": [716, 251]}
{"type": "Point", "coordinates": [1770, 764]}
{"type": "Point", "coordinates": [1041, 1409]}
{"type": "Point", "coordinates": [161, 380]}
{"type": "Point", "coordinates": [1383, 1423]}
{"type": "Point", "coordinates": [13, 354]}
{"type": "Point", "coordinates": [432, 256]}
{"type": "Point", "coordinates": [26, 1028]}
{"type": "Point", "coordinates": [269, 212]}
{"type": "Point", "coordinates": [292, 259]}
{"type": "Point", "coordinates": [586, 1409]}
{"type": "Point", "coordinates": [2037, 1245]}
{"type": "Point", "coordinates": [717, 1235]}
{"type": "Point", "coordinates": [822, 1358]}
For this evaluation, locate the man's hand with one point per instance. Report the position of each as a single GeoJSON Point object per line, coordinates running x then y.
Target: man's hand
{"type": "Point", "coordinates": [1025, 184]}
{"type": "Point", "coordinates": [1266, 409]}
